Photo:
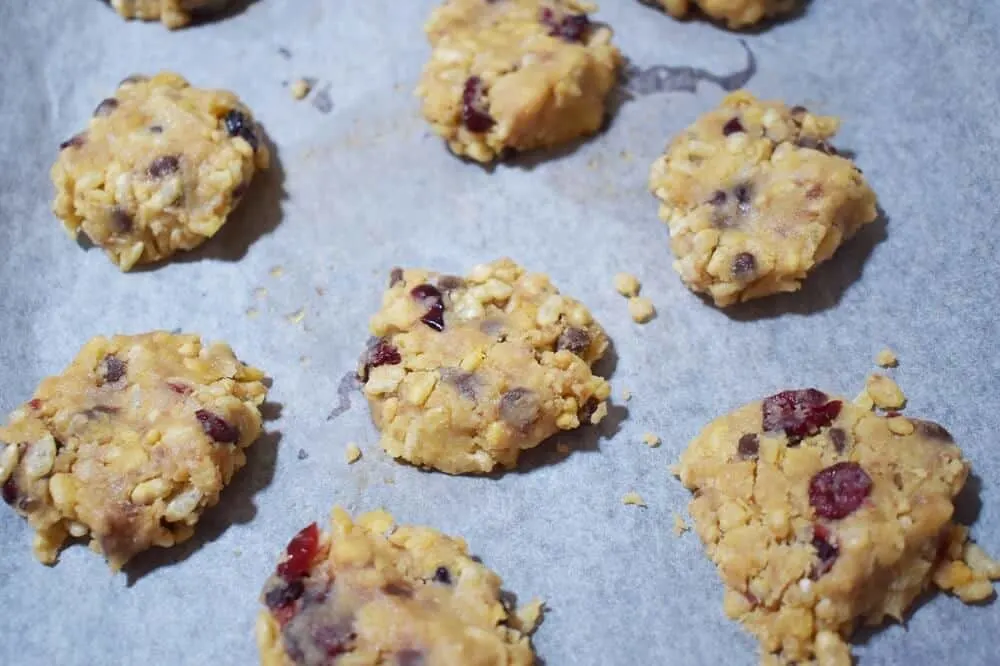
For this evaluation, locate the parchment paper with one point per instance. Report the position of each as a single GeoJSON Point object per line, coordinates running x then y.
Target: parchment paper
{"type": "Point", "coordinates": [364, 186]}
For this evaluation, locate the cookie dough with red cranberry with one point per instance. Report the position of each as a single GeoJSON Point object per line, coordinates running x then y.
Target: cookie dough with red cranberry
{"type": "Point", "coordinates": [756, 197]}
{"type": "Point", "coordinates": [130, 444]}
{"type": "Point", "coordinates": [516, 75]}
{"type": "Point", "coordinates": [821, 514]}
{"type": "Point", "coordinates": [173, 13]}
{"type": "Point", "coordinates": [734, 13]}
{"type": "Point", "coordinates": [159, 169]}
{"type": "Point", "coordinates": [465, 373]}
{"type": "Point", "coordinates": [371, 593]}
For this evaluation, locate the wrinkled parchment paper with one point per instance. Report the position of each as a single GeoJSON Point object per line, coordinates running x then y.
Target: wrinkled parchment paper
{"type": "Point", "coordinates": [362, 186]}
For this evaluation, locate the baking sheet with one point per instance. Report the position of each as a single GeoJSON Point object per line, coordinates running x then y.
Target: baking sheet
{"type": "Point", "coordinates": [359, 185]}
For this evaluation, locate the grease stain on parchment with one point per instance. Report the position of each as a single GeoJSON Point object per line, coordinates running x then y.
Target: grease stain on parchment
{"type": "Point", "coordinates": [642, 81]}
{"type": "Point", "coordinates": [349, 385]}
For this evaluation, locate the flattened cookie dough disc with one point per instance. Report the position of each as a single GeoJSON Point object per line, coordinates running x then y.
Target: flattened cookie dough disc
{"type": "Point", "coordinates": [173, 13]}
{"type": "Point", "coordinates": [821, 515]}
{"type": "Point", "coordinates": [516, 75]}
{"type": "Point", "coordinates": [130, 444]}
{"type": "Point", "coordinates": [734, 13]}
{"type": "Point", "coordinates": [159, 169]}
{"type": "Point", "coordinates": [755, 197]}
{"type": "Point", "coordinates": [372, 594]}
{"type": "Point", "coordinates": [465, 373]}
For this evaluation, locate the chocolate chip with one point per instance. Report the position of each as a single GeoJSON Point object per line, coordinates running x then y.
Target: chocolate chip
{"type": "Point", "coordinates": [932, 430]}
{"type": "Point", "coordinates": [520, 407]}
{"type": "Point", "coordinates": [112, 368]}
{"type": "Point", "coordinates": [133, 78]}
{"type": "Point", "coordinates": [397, 589]}
{"type": "Point", "coordinates": [379, 353]}
{"type": "Point", "coordinates": [575, 340]}
{"type": "Point", "coordinates": [106, 107]}
{"type": "Point", "coordinates": [120, 221]}
{"type": "Point", "coordinates": [395, 276]}
{"type": "Point", "coordinates": [409, 658]}
{"type": "Point", "coordinates": [839, 439]}
{"type": "Point", "coordinates": [284, 593]}
{"type": "Point", "coordinates": [434, 300]}
{"type": "Point", "coordinates": [733, 126]}
{"type": "Point", "coordinates": [825, 551]}
{"type": "Point", "coordinates": [571, 28]}
{"type": "Point", "coordinates": [442, 575]}
{"type": "Point", "coordinates": [238, 125]}
{"type": "Point", "coordinates": [718, 199]}
{"type": "Point", "coordinates": [164, 165]}
{"type": "Point", "coordinates": [466, 383]}
{"type": "Point", "coordinates": [744, 266]}
{"type": "Point", "coordinates": [217, 427]}
{"type": "Point", "coordinates": [334, 639]}
{"type": "Point", "coordinates": [156, 129]}
{"type": "Point", "coordinates": [748, 446]}
{"type": "Point", "coordinates": [743, 196]}
{"type": "Point", "coordinates": [74, 142]}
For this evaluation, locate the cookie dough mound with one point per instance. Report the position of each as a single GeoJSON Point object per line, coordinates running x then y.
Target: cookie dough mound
{"type": "Point", "coordinates": [130, 444]}
{"type": "Point", "coordinates": [464, 374]}
{"type": "Point", "coordinates": [821, 514]}
{"type": "Point", "coordinates": [159, 169]}
{"type": "Point", "coordinates": [516, 75]}
{"type": "Point", "coordinates": [734, 13]}
{"type": "Point", "coordinates": [755, 197]}
{"type": "Point", "coordinates": [173, 13]}
{"type": "Point", "coordinates": [371, 593]}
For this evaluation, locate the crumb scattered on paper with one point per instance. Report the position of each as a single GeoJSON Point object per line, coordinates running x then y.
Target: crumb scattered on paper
{"type": "Point", "coordinates": [277, 271]}
{"type": "Point", "coordinates": [627, 284]}
{"type": "Point", "coordinates": [887, 358]}
{"type": "Point", "coordinates": [297, 316]}
{"type": "Point", "coordinates": [674, 469]}
{"type": "Point", "coordinates": [651, 440]}
{"type": "Point", "coordinates": [680, 527]}
{"type": "Point", "coordinates": [641, 309]}
{"type": "Point", "coordinates": [626, 395]}
{"type": "Point", "coordinates": [260, 293]}
{"type": "Point", "coordinates": [303, 454]}
{"type": "Point", "coordinates": [633, 499]}
{"type": "Point", "coordinates": [625, 155]}
{"type": "Point", "coordinates": [300, 88]}
{"type": "Point", "coordinates": [529, 616]}
{"type": "Point", "coordinates": [252, 312]}
{"type": "Point", "coordinates": [352, 453]}
{"type": "Point", "coordinates": [885, 392]}
{"type": "Point", "coordinates": [284, 53]}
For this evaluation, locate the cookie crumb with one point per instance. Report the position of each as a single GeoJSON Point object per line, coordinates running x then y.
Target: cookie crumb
{"type": "Point", "coordinates": [352, 454]}
{"type": "Point", "coordinates": [599, 413]}
{"type": "Point", "coordinates": [633, 498]}
{"type": "Point", "coordinates": [277, 271]}
{"type": "Point", "coordinates": [641, 309]}
{"type": "Point", "coordinates": [303, 454]}
{"type": "Point", "coordinates": [651, 440]}
{"type": "Point", "coordinates": [563, 448]}
{"type": "Point", "coordinates": [529, 616]}
{"type": "Point", "coordinates": [680, 527]}
{"type": "Point", "coordinates": [252, 312]}
{"type": "Point", "coordinates": [884, 392]}
{"type": "Point", "coordinates": [296, 317]}
{"type": "Point", "coordinates": [300, 88]}
{"type": "Point", "coordinates": [626, 395]}
{"type": "Point", "coordinates": [260, 293]}
{"type": "Point", "coordinates": [900, 425]}
{"type": "Point", "coordinates": [887, 358]}
{"type": "Point", "coordinates": [967, 569]}
{"type": "Point", "coordinates": [627, 284]}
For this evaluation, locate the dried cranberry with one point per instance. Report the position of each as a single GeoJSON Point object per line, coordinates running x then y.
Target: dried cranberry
{"type": "Point", "coordinates": [217, 427]}
{"type": "Point", "coordinates": [748, 446]}
{"type": "Point", "coordinates": [733, 126]}
{"type": "Point", "coordinates": [237, 124]}
{"type": "Point", "coordinates": [442, 575]}
{"type": "Point", "coordinates": [409, 658]}
{"type": "Point", "coordinates": [450, 282]}
{"type": "Point", "coordinates": [838, 490]}
{"type": "Point", "coordinates": [35, 403]}
{"type": "Point", "coordinates": [799, 413]}
{"type": "Point", "coordinates": [334, 639]}
{"type": "Point", "coordinates": [112, 368]}
{"type": "Point", "coordinates": [744, 265]}
{"type": "Point", "coordinates": [432, 298]}
{"type": "Point", "coordinates": [300, 553]}
{"type": "Point", "coordinates": [106, 107]}
{"type": "Point", "coordinates": [575, 340]}
{"type": "Point", "coordinates": [474, 116]}
{"type": "Point", "coordinates": [839, 439]}
{"type": "Point", "coordinates": [10, 491]}
{"type": "Point", "coordinates": [826, 551]}
{"type": "Point", "coordinates": [121, 221]}
{"type": "Point", "coordinates": [284, 594]}
{"type": "Point", "coordinates": [73, 142]}
{"type": "Point", "coordinates": [571, 28]}
{"type": "Point", "coordinates": [466, 383]}
{"type": "Point", "coordinates": [164, 165]}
